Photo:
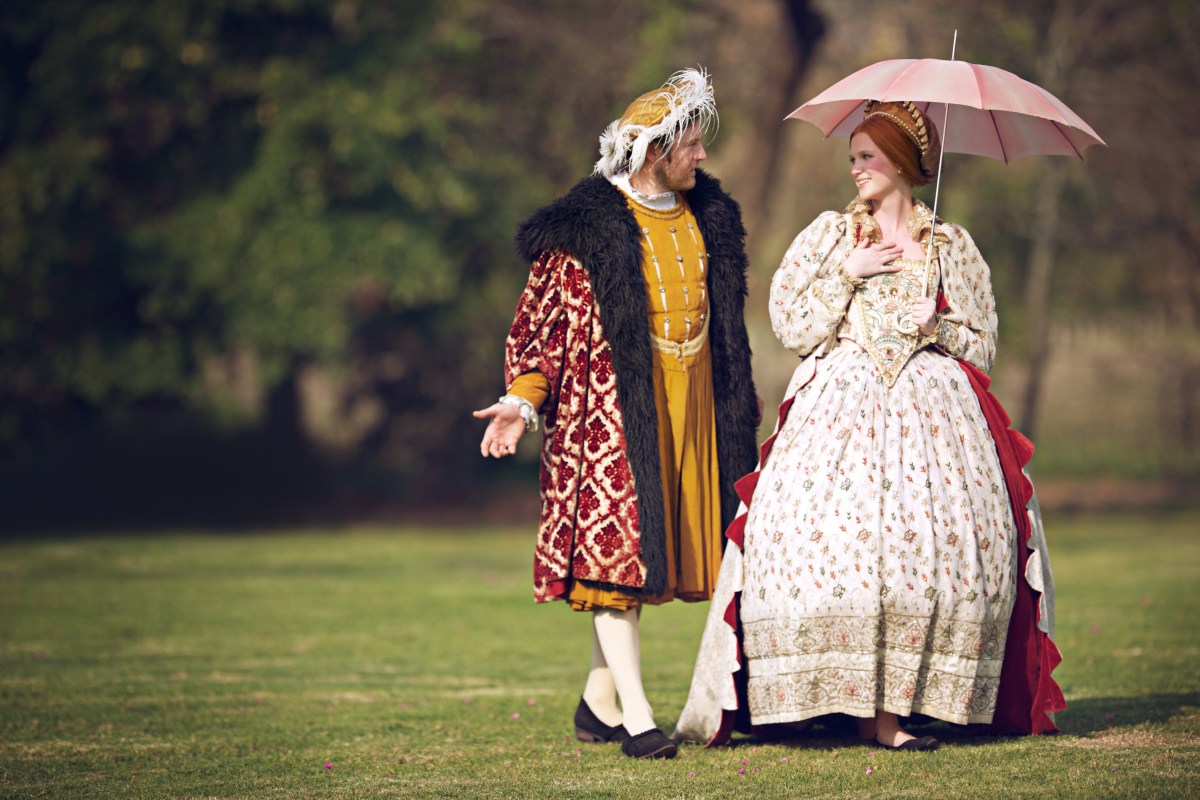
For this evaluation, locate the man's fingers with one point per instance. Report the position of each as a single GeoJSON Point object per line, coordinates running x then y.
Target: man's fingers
{"type": "Point", "coordinates": [502, 434]}
{"type": "Point", "coordinates": [497, 447]}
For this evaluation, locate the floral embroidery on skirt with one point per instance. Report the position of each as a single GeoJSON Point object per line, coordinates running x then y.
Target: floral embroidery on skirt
{"type": "Point", "coordinates": [879, 549]}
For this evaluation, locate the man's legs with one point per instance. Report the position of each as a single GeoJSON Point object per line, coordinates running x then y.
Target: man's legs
{"type": "Point", "coordinates": [600, 693]}
{"type": "Point", "coordinates": [620, 644]}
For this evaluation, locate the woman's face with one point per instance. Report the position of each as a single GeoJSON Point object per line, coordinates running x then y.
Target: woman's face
{"type": "Point", "coordinates": [875, 176]}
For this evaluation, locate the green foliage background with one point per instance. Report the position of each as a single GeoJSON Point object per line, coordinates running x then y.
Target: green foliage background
{"type": "Point", "coordinates": [181, 179]}
{"type": "Point", "coordinates": [255, 254]}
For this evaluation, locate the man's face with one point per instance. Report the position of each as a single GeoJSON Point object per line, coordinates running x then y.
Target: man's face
{"type": "Point", "coordinates": [676, 171]}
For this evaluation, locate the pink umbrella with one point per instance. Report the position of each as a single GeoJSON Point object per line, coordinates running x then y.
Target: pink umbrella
{"type": "Point", "coordinates": [980, 110]}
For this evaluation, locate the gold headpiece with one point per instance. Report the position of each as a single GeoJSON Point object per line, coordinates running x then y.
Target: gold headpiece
{"type": "Point", "coordinates": [661, 115]}
{"type": "Point", "coordinates": [915, 125]}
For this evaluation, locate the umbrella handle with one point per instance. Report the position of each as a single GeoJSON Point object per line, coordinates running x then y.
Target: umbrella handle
{"type": "Point", "coordinates": [937, 189]}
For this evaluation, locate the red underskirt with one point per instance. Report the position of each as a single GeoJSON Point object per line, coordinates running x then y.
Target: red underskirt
{"type": "Point", "coordinates": [1028, 694]}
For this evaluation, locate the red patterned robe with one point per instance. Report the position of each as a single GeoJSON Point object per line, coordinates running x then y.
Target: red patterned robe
{"type": "Point", "coordinates": [582, 322]}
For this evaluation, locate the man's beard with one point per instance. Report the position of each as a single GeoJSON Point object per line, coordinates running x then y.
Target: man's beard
{"type": "Point", "coordinates": [674, 183]}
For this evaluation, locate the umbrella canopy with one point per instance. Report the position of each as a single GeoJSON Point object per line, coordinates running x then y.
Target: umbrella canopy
{"type": "Point", "coordinates": [992, 112]}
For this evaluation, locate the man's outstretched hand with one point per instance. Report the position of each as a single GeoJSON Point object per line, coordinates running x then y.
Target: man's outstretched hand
{"type": "Point", "coordinates": [503, 432]}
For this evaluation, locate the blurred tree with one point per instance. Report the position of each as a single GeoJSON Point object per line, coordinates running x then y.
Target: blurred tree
{"type": "Point", "coordinates": [292, 218]}
{"type": "Point", "coordinates": [180, 180]}
{"type": "Point", "coordinates": [200, 200]}
{"type": "Point", "coordinates": [230, 207]}
{"type": "Point", "coordinates": [1068, 228]}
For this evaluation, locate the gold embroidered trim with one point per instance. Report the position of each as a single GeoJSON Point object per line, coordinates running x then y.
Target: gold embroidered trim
{"type": "Point", "coordinates": [884, 305]}
{"type": "Point", "coordinates": [674, 212]}
{"type": "Point", "coordinates": [853, 283]}
{"type": "Point", "coordinates": [920, 222]}
{"type": "Point", "coordinates": [949, 337]}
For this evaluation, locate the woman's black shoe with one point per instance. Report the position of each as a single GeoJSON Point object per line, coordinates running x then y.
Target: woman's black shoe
{"type": "Point", "coordinates": [919, 745]}
{"type": "Point", "coordinates": [588, 728]}
{"type": "Point", "coordinates": [651, 744]}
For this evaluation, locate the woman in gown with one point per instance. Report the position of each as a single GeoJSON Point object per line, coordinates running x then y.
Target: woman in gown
{"type": "Point", "coordinates": [889, 559]}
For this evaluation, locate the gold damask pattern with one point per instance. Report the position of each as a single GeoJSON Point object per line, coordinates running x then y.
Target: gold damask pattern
{"type": "Point", "coordinates": [589, 500]}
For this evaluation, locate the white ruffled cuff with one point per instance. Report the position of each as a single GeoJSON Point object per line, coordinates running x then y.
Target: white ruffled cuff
{"type": "Point", "coordinates": [528, 412]}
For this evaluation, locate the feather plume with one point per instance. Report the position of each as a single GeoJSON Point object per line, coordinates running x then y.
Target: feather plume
{"type": "Point", "coordinates": [687, 98]}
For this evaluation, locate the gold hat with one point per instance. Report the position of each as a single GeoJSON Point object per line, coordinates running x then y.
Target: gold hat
{"type": "Point", "coordinates": [660, 115]}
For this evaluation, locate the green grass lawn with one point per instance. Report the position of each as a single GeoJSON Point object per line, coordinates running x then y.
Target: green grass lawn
{"type": "Point", "coordinates": [376, 662]}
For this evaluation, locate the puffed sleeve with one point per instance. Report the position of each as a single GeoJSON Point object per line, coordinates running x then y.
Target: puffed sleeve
{"type": "Point", "coordinates": [967, 325]}
{"type": "Point", "coordinates": [535, 344]}
{"type": "Point", "coordinates": [810, 291]}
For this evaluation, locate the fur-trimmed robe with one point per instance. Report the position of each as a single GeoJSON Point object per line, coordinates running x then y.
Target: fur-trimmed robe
{"type": "Point", "coordinates": [582, 321]}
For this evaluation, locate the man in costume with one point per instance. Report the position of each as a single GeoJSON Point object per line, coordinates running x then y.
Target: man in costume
{"type": "Point", "coordinates": [629, 339]}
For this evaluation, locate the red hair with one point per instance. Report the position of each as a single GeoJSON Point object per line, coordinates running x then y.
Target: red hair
{"type": "Point", "coordinates": [896, 146]}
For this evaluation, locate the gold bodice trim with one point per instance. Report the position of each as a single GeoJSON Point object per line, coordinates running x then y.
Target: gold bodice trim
{"type": "Point", "coordinates": [675, 266]}
{"type": "Point", "coordinates": [878, 317]}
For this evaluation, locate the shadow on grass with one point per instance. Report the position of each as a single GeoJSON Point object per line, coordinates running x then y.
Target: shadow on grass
{"type": "Point", "coordinates": [1084, 716]}
{"type": "Point", "coordinates": [1091, 714]}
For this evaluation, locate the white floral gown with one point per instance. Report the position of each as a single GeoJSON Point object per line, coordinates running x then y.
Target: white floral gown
{"type": "Point", "coordinates": [878, 568]}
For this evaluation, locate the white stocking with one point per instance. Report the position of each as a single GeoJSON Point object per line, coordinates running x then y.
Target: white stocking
{"type": "Point", "coordinates": [600, 693]}
{"type": "Point", "coordinates": [617, 633]}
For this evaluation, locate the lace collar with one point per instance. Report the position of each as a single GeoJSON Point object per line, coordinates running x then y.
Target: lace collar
{"type": "Point", "coordinates": [664, 201]}
{"type": "Point", "coordinates": [919, 223]}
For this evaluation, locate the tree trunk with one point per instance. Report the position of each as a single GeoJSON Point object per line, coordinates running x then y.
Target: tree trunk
{"type": "Point", "coordinates": [1037, 292]}
{"type": "Point", "coordinates": [807, 27]}
{"type": "Point", "coordinates": [779, 82]}
{"type": "Point", "coordinates": [283, 415]}
{"type": "Point", "coordinates": [1059, 50]}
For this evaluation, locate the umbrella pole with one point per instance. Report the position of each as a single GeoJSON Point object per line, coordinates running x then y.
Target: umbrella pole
{"type": "Point", "coordinates": [937, 189]}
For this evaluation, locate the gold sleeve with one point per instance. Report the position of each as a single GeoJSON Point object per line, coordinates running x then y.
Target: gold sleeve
{"type": "Point", "coordinates": [531, 386]}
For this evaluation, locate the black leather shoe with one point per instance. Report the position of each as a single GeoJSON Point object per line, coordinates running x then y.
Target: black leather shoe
{"type": "Point", "coordinates": [920, 744]}
{"type": "Point", "coordinates": [588, 728]}
{"type": "Point", "coordinates": [650, 744]}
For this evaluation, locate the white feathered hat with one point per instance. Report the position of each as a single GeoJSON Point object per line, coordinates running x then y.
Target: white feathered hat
{"type": "Point", "coordinates": [661, 115]}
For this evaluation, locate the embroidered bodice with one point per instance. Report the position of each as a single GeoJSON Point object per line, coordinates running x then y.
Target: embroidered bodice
{"type": "Point", "coordinates": [811, 294]}
{"type": "Point", "coordinates": [878, 317]}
